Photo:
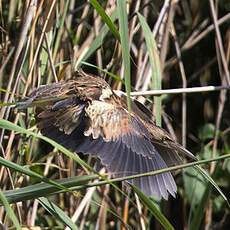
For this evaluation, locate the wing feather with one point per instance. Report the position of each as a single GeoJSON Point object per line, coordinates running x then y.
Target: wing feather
{"type": "Point", "coordinates": [153, 185]}
{"type": "Point", "coordinates": [123, 144]}
{"type": "Point", "coordinates": [122, 141]}
{"type": "Point", "coordinates": [146, 180]}
{"type": "Point", "coordinates": [136, 169]}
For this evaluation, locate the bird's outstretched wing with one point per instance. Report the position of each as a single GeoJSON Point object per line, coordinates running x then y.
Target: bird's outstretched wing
{"type": "Point", "coordinates": [172, 152]}
{"type": "Point", "coordinates": [122, 140]}
{"type": "Point", "coordinates": [123, 144]}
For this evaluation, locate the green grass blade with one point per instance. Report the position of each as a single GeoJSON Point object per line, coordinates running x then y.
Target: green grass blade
{"type": "Point", "coordinates": [155, 65]}
{"type": "Point", "coordinates": [106, 18]}
{"type": "Point", "coordinates": [211, 181]}
{"type": "Point", "coordinates": [123, 28]}
{"type": "Point", "coordinates": [57, 212]}
{"type": "Point", "coordinates": [7, 104]}
{"type": "Point", "coordinates": [153, 209]}
{"type": "Point", "coordinates": [30, 173]}
{"type": "Point", "coordinates": [43, 189]}
{"type": "Point", "coordinates": [9, 211]}
{"type": "Point", "coordinates": [198, 213]}
{"type": "Point", "coordinates": [17, 195]}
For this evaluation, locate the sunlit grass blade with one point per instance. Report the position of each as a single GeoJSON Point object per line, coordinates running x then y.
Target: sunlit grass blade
{"type": "Point", "coordinates": [7, 104]}
{"type": "Point", "coordinates": [123, 29]}
{"type": "Point", "coordinates": [13, 195]}
{"type": "Point", "coordinates": [55, 211]}
{"type": "Point", "coordinates": [9, 211]}
{"type": "Point", "coordinates": [31, 173]}
{"type": "Point", "coordinates": [155, 65]}
{"type": "Point", "coordinates": [106, 18]}
{"type": "Point", "coordinates": [44, 189]}
{"type": "Point", "coordinates": [3, 90]}
{"type": "Point", "coordinates": [148, 203]}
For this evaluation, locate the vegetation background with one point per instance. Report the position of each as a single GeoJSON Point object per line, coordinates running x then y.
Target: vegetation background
{"type": "Point", "coordinates": [169, 44]}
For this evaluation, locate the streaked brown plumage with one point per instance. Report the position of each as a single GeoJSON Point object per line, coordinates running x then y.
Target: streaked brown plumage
{"type": "Point", "coordinates": [85, 115]}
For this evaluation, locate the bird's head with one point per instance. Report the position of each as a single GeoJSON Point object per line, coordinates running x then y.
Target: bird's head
{"type": "Point", "coordinates": [92, 86]}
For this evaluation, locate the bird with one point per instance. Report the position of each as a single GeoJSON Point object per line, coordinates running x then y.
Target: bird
{"type": "Point", "coordinates": [86, 116]}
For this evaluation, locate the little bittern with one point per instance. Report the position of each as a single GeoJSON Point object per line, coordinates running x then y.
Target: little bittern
{"type": "Point", "coordinates": [85, 115]}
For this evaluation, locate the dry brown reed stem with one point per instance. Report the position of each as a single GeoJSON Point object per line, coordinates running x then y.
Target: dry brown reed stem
{"type": "Point", "coordinates": [87, 199]}
{"type": "Point", "coordinates": [84, 217]}
{"type": "Point", "coordinates": [23, 36]}
{"type": "Point", "coordinates": [78, 51]}
{"type": "Point", "coordinates": [166, 32]}
{"type": "Point", "coordinates": [39, 46]}
{"type": "Point", "coordinates": [50, 58]}
{"type": "Point", "coordinates": [25, 28]}
{"type": "Point", "coordinates": [225, 78]}
{"type": "Point", "coordinates": [4, 64]}
{"type": "Point", "coordinates": [125, 212]}
{"type": "Point", "coordinates": [139, 208]}
{"type": "Point", "coordinates": [101, 220]}
{"type": "Point", "coordinates": [97, 25]}
{"type": "Point", "coordinates": [220, 43]}
{"type": "Point", "coordinates": [195, 38]}
{"type": "Point", "coordinates": [184, 83]}
{"type": "Point", "coordinates": [9, 97]}
{"type": "Point", "coordinates": [32, 217]}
